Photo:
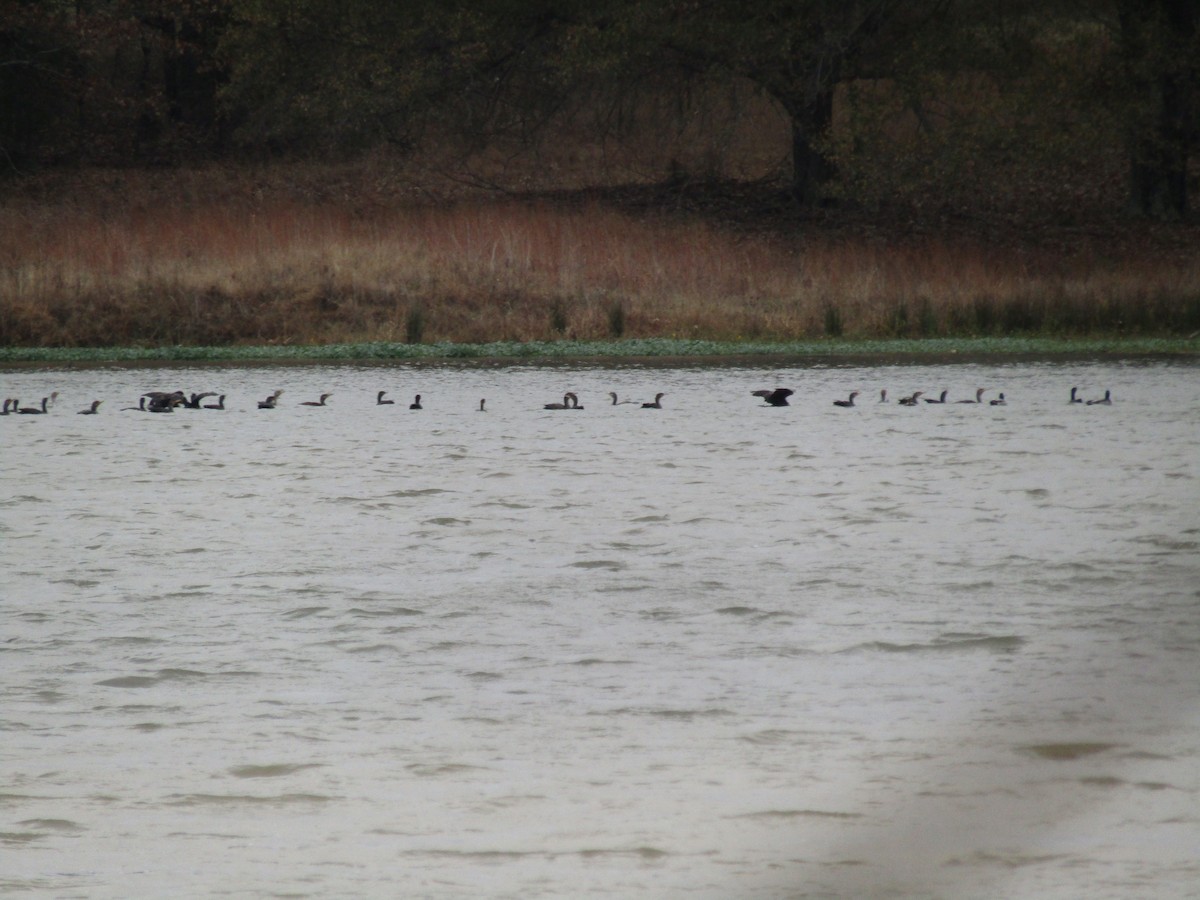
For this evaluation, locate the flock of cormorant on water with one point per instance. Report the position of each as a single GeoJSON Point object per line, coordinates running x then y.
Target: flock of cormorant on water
{"type": "Point", "coordinates": [169, 401]}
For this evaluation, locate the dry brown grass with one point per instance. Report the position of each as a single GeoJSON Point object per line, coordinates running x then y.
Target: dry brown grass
{"type": "Point", "coordinates": [208, 258]}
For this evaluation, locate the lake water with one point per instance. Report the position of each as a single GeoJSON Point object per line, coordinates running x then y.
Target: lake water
{"type": "Point", "coordinates": [714, 650]}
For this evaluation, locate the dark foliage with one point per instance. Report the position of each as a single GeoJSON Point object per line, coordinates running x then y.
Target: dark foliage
{"type": "Point", "coordinates": [948, 86]}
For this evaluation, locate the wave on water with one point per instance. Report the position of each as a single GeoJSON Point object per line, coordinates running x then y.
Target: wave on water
{"type": "Point", "coordinates": [944, 643]}
{"type": "Point", "coordinates": [60, 825]}
{"type": "Point", "coordinates": [146, 681]}
{"type": "Point", "coordinates": [290, 799]}
{"type": "Point", "coordinates": [596, 661]}
{"type": "Point", "coordinates": [271, 770]}
{"type": "Point", "coordinates": [1066, 750]}
{"type": "Point", "coordinates": [645, 853]}
{"type": "Point", "coordinates": [685, 715]}
{"type": "Point", "coordinates": [797, 814]}
{"type": "Point", "coordinates": [304, 612]}
{"type": "Point", "coordinates": [385, 612]}
{"type": "Point", "coordinates": [611, 565]}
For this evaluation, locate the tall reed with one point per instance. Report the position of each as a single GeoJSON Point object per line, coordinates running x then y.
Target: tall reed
{"type": "Point", "coordinates": [240, 270]}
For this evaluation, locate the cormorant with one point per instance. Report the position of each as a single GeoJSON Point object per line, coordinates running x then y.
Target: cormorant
{"type": "Point", "coordinates": [194, 402]}
{"type": "Point", "coordinates": [270, 402]}
{"type": "Point", "coordinates": [777, 397]}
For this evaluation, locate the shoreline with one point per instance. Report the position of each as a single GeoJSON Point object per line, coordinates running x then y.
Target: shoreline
{"type": "Point", "coordinates": [634, 351]}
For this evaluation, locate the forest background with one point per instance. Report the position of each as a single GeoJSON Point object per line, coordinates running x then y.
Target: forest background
{"type": "Point", "coordinates": [311, 171]}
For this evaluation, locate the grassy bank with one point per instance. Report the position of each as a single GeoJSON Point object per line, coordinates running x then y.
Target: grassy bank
{"type": "Point", "coordinates": [234, 263]}
{"type": "Point", "coordinates": [942, 349]}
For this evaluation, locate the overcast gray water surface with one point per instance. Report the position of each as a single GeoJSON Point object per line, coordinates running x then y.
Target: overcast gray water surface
{"type": "Point", "coordinates": [714, 650]}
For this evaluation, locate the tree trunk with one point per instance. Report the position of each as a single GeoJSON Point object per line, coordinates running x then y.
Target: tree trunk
{"type": "Point", "coordinates": [1158, 163]}
{"type": "Point", "coordinates": [812, 170]}
{"type": "Point", "coordinates": [1159, 41]}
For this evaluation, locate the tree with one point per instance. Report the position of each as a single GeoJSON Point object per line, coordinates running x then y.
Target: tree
{"type": "Point", "coordinates": [40, 64]}
{"type": "Point", "coordinates": [359, 70]}
{"type": "Point", "coordinates": [340, 73]}
{"type": "Point", "coordinates": [179, 77]}
{"type": "Point", "coordinates": [1160, 46]}
{"type": "Point", "coordinates": [796, 51]}
{"type": "Point", "coordinates": [108, 80]}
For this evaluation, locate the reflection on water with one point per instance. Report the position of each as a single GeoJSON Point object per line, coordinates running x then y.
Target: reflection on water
{"type": "Point", "coordinates": [717, 649]}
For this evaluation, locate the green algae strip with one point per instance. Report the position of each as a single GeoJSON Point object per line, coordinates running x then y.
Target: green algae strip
{"type": "Point", "coordinates": [942, 349]}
